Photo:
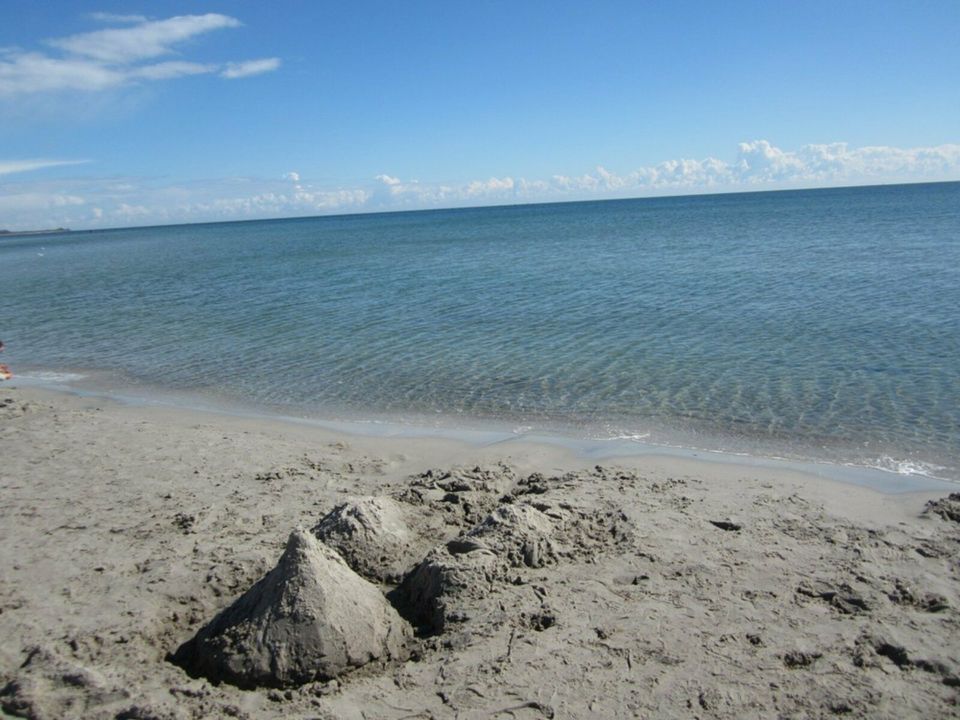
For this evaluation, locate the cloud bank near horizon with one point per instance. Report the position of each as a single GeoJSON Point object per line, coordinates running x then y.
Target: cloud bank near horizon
{"type": "Point", "coordinates": [117, 56]}
{"type": "Point", "coordinates": [757, 165]}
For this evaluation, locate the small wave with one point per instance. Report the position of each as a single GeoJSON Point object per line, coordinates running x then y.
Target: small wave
{"type": "Point", "coordinates": [908, 467]}
{"type": "Point", "coordinates": [634, 437]}
{"type": "Point", "coordinates": [50, 377]}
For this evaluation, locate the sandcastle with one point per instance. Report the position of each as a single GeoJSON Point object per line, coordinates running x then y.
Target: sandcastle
{"type": "Point", "coordinates": [377, 571]}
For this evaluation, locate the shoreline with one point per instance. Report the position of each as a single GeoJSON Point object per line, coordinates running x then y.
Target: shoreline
{"type": "Point", "coordinates": [476, 432]}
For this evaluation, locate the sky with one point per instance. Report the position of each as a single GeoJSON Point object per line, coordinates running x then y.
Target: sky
{"type": "Point", "coordinates": [142, 113]}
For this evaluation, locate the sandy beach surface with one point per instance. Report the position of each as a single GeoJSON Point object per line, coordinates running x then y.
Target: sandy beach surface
{"type": "Point", "coordinates": [650, 587]}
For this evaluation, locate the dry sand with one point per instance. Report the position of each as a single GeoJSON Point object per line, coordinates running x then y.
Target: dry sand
{"type": "Point", "coordinates": [653, 587]}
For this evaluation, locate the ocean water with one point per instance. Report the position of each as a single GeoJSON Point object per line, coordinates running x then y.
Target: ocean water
{"type": "Point", "coordinates": [820, 324]}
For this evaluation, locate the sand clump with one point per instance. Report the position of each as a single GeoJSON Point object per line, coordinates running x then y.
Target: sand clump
{"type": "Point", "coordinates": [311, 618]}
{"type": "Point", "coordinates": [459, 497]}
{"type": "Point", "coordinates": [463, 579]}
{"type": "Point", "coordinates": [469, 567]}
{"type": "Point", "coordinates": [384, 537]}
{"type": "Point", "coordinates": [947, 508]}
{"type": "Point", "coordinates": [50, 686]}
{"type": "Point", "coordinates": [380, 538]}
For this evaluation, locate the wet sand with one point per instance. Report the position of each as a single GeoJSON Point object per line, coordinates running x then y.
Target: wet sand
{"type": "Point", "coordinates": [676, 588]}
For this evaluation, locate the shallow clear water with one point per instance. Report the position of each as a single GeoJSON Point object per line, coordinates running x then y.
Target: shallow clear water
{"type": "Point", "coordinates": [815, 324]}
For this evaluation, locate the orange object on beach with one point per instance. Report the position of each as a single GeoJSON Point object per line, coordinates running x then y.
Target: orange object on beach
{"type": "Point", "coordinates": [5, 373]}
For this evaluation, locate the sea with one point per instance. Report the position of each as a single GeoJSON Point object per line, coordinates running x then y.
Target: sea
{"type": "Point", "coordinates": [814, 326]}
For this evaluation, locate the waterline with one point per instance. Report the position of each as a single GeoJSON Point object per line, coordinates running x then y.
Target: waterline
{"type": "Point", "coordinates": [886, 475]}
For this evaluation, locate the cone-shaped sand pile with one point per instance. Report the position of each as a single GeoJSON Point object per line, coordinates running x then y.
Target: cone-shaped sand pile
{"type": "Point", "coordinates": [310, 618]}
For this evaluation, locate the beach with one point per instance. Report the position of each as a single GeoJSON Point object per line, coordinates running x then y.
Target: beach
{"type": "Point", "coordinates": [437, 361]}
{"type": "Point", "coordinates": [663, 586]}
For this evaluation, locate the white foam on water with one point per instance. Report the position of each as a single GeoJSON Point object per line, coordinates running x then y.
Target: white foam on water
{"type": "Point", "coordinates": [916, 468]}
{"type": "Point", "coordinates": [49, 377]}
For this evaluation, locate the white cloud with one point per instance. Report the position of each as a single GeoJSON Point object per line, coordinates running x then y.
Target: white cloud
{"type": "Point", "coordinates": [759, 164]}
{"type": "Point", "coordinates": [756, 165]}
{"type": "Point", "coordinates": [250, 67]}
{"type": "Point", "coordinates": [117, 56]}
{"type": "Point", "coordinates": [33, 202]}
{"type": "Point", "coordinates": [35, 73]}
{"type": "Point", "coordinates": [500, 187]}
{"type": "Point", "coordinates": [113, 202]}
{"type": "Point", "coordinates": [130, 212]}
{"type": "Point", "coordinates": [762, 161]}
{"type": "Point", "coordinates": [276, 204]}
{"type": "Point", "coordinates": [148, 39]}
{"type": "Point", "coordinates": [171, 69]}
{"type": "Point", "coordinates": [8, 167]}
{"type": "Point", "coordinates": [610, 180]}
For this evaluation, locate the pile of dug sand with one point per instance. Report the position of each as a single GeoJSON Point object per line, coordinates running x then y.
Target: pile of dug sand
{"type": "Point", "coordinates": [311, 618]}
{"type": "Point", "coordinates": [502, 534]}
{"type": "Point", "coordinates": [314, 618]}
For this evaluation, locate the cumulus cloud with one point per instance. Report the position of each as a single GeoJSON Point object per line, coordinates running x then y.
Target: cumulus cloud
{"type": "Point", "coordinates": [754, 165]}
{"type": "Point", "coordinates": [8, 167]}
{"type": "Point", "coordinates": [250, 67]}
{"type": "Point", "coordinates": [493, 187]}
{"type": "Point", "coordinates": [117, 56]}
{"type": "Point", "coordinates": [37, 202]}
{"type": "Point", "coordinates": [277, 204]}
{"type": "Point", "coordinates": [392, 192]}
{"type": "Point", "coordinates": [759, 164]}
{"type": "Point", "coordinates": [116, 202]}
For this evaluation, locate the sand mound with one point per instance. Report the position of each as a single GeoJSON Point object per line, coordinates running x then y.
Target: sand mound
{"type": "Point", "coordinates": [309, 618]}
{"type": "Point", "coordinates": [518, 534]}
{"type": "Point", "coordinates": [436, 591]}
{"type": "Point", "coordinates": [383, 538]}
{"type": "Point", "coordinates": [50, 686]}
{"type": "Point", "coordinates": [469, 566]}
{"type": "Point", "coordinates": [948, 508]}
{"type": "Point", "coordinates": [528, 525]}
{"type": "Point", "coordinates": [460, 497]}
{"type": "Point", "coordinates": [374, 536]}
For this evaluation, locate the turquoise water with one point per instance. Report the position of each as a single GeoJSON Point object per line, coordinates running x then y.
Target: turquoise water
{"type": "Point", "coordinates": [818, 324]}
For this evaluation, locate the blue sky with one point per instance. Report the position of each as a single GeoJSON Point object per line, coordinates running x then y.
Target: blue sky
{"type": "Point", "coordinates": [115, 114]}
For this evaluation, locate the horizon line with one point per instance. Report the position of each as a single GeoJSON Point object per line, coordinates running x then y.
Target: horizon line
{"type": "Point", "coordinates": [360, 213]}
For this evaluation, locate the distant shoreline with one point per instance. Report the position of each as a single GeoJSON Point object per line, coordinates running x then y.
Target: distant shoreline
{"type": "Point", "coordinates": [49, 231]}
